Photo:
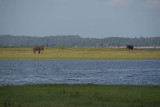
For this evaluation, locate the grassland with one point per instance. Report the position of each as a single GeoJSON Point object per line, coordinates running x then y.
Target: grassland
{"type": "Point", "coordinates": [79, 53]}
{"type": "Point", "coordinates": [84, 95]}
{"type": "Point", "coordinates": [79, 95]}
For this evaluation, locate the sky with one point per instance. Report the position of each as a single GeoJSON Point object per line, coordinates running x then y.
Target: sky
{"type": "Point", "coordinates": [86, 18]}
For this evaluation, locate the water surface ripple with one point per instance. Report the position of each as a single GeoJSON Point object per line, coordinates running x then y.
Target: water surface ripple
{"type": "Point", "coordinates": [132, 72]}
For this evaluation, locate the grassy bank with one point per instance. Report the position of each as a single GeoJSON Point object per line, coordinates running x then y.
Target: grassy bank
{"type": "Point", "coordinates": [63, 95]}
{"type": "Point", "coordinates": [79, 53]}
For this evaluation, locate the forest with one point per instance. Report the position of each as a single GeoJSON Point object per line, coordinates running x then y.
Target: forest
{"type": "Point", "coordinates": [77, 41]}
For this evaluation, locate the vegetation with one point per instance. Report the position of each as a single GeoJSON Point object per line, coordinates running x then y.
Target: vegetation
{"type": "Point", "coordinates": [76, 95]}
{"type": "Point", "coordinates": [79, 53]}
{"type": "Point", "coordinates": [75, 40]}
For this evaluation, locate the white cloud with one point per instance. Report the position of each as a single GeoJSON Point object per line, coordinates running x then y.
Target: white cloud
{"type": "Point", "coordinates": [152, 4]}
{"type": "Point", "coordinates": [119, 3]}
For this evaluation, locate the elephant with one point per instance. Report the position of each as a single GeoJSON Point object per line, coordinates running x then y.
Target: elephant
{"type": "Point", "coordinates": [129, 47]}
{"type": "Point", "coordinates": [38, 48]}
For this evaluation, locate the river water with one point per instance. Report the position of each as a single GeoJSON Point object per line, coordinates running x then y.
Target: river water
{"type": "Point", "coordinates": [128, 72]}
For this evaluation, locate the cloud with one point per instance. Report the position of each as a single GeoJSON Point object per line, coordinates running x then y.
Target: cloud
{"type": "Point", "coordinates": [152, 4]}
{"type": "Point", "coordinates": [119, 3]}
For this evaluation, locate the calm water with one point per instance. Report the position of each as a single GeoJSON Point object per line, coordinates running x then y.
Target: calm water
{"type": "Point", "coordinates": [133, 72]}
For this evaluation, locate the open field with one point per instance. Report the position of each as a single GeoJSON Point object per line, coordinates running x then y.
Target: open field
{"type": "Point", "coordinates": [80, 53]}
{"type": "Point", "coordinates": [82, 95]}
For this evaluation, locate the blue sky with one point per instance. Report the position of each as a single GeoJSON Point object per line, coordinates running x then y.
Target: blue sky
{"type": "Point", "coordinates": [87, 18]}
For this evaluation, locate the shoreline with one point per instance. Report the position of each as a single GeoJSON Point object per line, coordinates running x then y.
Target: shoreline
{"type": "Point", "coordinates": [76, 84]}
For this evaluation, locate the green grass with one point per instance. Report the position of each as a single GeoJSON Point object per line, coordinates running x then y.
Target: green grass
{"type": "Point", "coordinates": [79, 53]}
{"type": "Point", "coordinates": [79, 95]}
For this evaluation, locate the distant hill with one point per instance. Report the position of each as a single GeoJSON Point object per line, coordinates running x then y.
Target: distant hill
{"type": "Point", "coordinates": [76, 41]}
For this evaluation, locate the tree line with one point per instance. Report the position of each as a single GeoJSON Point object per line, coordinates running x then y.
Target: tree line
{"type": "Point", "coordinates": [76, 41]}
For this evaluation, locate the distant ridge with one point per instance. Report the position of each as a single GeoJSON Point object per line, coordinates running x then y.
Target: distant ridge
{"type": "Point", "coordinates": [76, 41]}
